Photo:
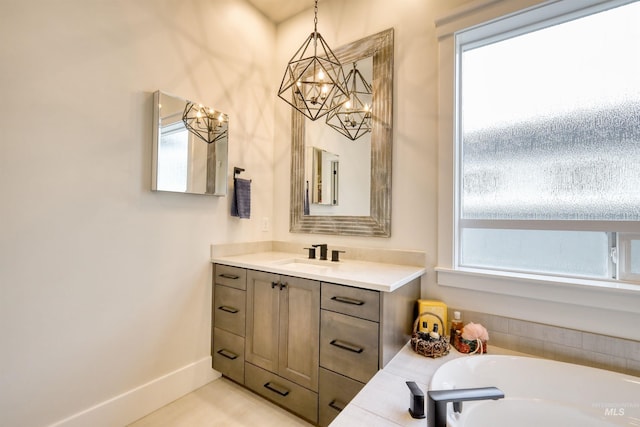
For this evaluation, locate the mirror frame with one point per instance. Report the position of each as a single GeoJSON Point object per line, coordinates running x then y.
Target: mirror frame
{"type": "Point", "coordinates": [378, 223]}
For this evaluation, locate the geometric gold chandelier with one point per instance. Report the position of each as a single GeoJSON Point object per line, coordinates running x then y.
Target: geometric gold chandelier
{"type": "Point", "coordinates": [313, 82]}
{"type": "Point", "coordinates": [206, 123]}
{"type": "Point", "coordinates": [352, 117]}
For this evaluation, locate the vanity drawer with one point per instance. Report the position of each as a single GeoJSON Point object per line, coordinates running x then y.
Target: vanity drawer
{"type": "Point", "coordinates": [335, 392]}
{"type": "Point", "coordinates": [228, 354]}
{"type": "Point", "coordinates": [229, 309]}
{"type": "Point", "coordinates": [234, 277]}
{"type": "Point", "coordinates": [283, 392]}
{"type": "Point", "coordinates": [363, 303]}
{"type": "Point", "coordinates": [349, 345]}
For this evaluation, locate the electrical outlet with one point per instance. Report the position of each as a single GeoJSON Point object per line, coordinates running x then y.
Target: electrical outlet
{"type": "Point", "coordinates": [265, 223]}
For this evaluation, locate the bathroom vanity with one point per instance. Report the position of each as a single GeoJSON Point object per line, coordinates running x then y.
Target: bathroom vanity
{"type": "Point", "coordinates": [308, 334]}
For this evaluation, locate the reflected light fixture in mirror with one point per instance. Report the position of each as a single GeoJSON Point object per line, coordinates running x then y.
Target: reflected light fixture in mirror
{"type": "Point", "coordinates": [188, 160]}
{"type": "Point", "coordinates": [313, 77]}
{"type": "Point", "coordinates": [352, 117]}
{"type": "Point", "coordinates": [205, 122]}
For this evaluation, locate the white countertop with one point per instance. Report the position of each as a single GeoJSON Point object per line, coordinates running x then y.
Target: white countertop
{"type": "Point", "coordinates": [361, 274]}
{"type": "Point", "coordinates": [384, 400]}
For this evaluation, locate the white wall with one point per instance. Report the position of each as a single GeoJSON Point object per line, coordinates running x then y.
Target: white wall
{"type": "Point", "coordinates": [105, 285]}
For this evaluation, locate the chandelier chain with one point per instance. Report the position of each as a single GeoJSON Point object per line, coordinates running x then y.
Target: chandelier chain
{"type": "Point", "coordinates": [315, 17]}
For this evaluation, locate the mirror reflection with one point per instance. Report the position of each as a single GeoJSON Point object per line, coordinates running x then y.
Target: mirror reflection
{"type": "Point", "coordinates": [323, 177]}
{"type": "Point", "coordinates": [354, 184]}
{"type": "Point", "coordinates": [190, 146]}
{"type": "Point", "coordinates": [363, 207]}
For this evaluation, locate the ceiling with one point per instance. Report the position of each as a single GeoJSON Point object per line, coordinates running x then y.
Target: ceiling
{"type": "Point", "coordinates": [281, 10]}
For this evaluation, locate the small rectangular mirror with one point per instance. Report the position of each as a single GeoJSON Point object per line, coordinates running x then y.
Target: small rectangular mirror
{"type": "Point", "coordinates": [188, 159]}
{"type": "Point", "coordinates": [322, 176]}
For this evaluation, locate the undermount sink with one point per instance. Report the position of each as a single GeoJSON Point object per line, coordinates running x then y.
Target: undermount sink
{"type": "Point", "coordinates": [305, 265]}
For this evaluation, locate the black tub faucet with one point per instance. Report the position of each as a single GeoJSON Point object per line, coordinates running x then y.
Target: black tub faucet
{"type": "Point", "coordinates": [437, 401]}
{"type": "Point", "coordinates": [323, 251]}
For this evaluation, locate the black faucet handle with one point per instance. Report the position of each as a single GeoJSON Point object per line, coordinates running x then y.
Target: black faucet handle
{"type": "Point", "coordinates": [335, 255]}
{"type": "Point", "coordinates": [312, 253]}
{"type": "Point", "coordinates": [323, 250]}
{"type": "Point", "coordinates": [416, 402]}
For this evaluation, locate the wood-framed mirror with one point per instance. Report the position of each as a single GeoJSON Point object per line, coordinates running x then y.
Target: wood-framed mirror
{"type": "Point", "coordinates": [378, 223]}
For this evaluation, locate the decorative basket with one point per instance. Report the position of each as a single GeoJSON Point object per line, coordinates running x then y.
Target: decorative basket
{"type": "Point", "coordinates": [468, 346]}
{"type": "Point", "coordinates": [424, 345]}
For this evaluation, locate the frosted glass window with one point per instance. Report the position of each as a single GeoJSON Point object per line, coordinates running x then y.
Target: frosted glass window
{"type": "Point", "coordinates": [573, 253]}
{"type": "Point", "coordinates": [550, 122]}
{"type": "Point", "coordinates": [548, 141]}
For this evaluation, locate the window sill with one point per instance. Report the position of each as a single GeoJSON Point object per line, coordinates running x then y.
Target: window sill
{"type": "Point", "coordinates": [619, 296]}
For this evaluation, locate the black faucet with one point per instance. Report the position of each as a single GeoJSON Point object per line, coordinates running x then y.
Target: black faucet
{"type": "Point", "coordinates": [437, 401]}
{"type": "Point", "coordinates": [323, 251]}
{"type": "Point", "coordinates": [312, 253]}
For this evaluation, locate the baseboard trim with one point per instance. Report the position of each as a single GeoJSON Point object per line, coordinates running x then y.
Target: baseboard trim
{"type": "Point", "coordinates": [140, 401]}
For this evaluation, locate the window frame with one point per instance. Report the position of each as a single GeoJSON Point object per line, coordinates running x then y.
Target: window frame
{"type": "Point", "coordinates": [490, 20]}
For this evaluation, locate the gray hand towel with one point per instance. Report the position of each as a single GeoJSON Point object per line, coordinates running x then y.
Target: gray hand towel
{"type": "Point", "coordinates": [241, 202]}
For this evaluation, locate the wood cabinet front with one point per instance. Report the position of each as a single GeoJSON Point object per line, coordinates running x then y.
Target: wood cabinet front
{"type": "Point", "coordinates": [349, 345]}
{"type": "Point", "coordinates": [305, 345]}
{"type": "Point", "coordinates": [283, 326]}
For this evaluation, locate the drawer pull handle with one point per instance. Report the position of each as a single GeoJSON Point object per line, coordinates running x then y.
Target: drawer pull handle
{"type": "Point", "coordinates": [274, 284]}
{"type": "Point", "coordinates": [228, 309]}
{"type": "Point", "coordinates": [347, 300]}
{"type": "Point", "coordinates": [226, 353]}
{"type": "Point", "coordinates": [277, 389]}
{"type": "Point", "coordinates": [337, 405]}
{"type": "Point", "coordinates": [229, 276]}
{"type": "Point", "coordinates": [346, 346]}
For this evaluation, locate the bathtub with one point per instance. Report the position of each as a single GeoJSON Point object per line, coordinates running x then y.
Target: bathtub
{"type": "Point", "coordinates": [539, 392]}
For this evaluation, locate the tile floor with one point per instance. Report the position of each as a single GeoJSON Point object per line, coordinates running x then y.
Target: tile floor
{"type": "Point", "coordinates": [221, 403]}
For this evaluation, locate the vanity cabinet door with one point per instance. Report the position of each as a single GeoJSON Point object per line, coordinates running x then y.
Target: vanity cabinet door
{"type": "Point", "coordinates": [349, 345]}
{"type": "Point", "coordinates": [229, 309]}
{"type": "Point", "coordinates": [355, 302]}
{"type": "Point", "coordinates": [263, 305]}
{"type": "Point", "coordinates": [283, 326]}
{"type": "Point", "coordinates": [234, 277]}
{"type": "Point", "coordinates": [285, 393]}
{"type": "Point", "coordinates": [336, 391]}
{"type": "Point", "coordinates": [228, 354]}
{"type": "Point", "coordinates": [299, 331]}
